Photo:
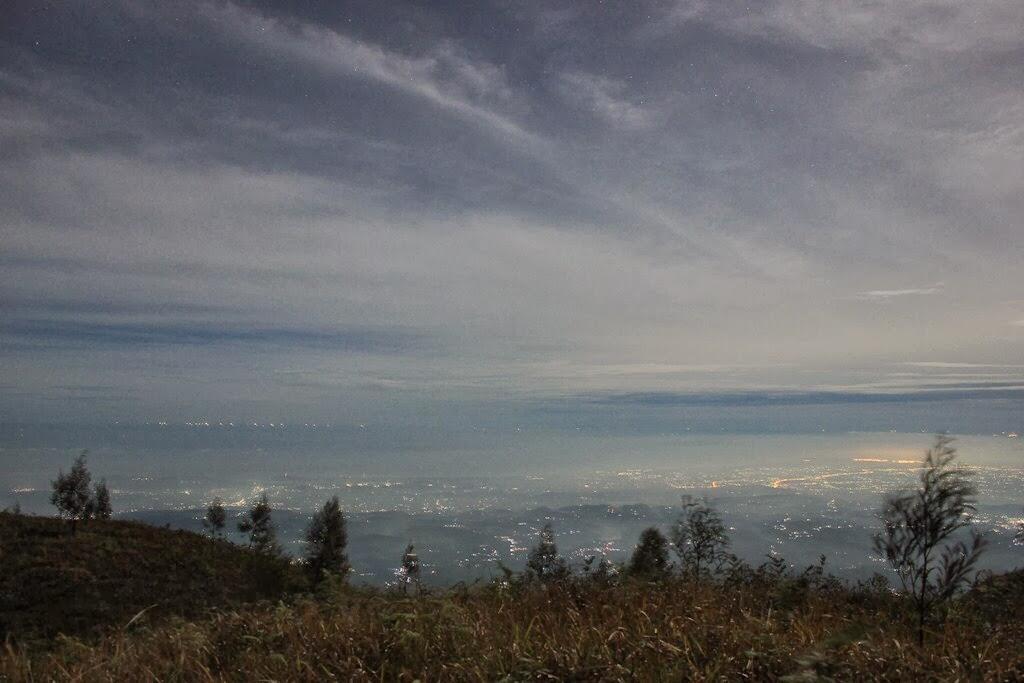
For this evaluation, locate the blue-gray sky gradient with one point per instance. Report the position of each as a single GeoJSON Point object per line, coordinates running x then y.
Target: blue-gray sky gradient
{"type": "Point", "coordinates": [366, 210]}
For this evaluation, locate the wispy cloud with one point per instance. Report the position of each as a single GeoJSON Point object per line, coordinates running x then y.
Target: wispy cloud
{"type": "Point", "coordinates": [885, 295]}
{"type": "Point", "coordinates": [803, 398]}
{"type": "Point", "coordinates": [607, 99]}
{"type": "Point", "coordinates": [78, 334]}
{"type": "Point", "coordinates": [908, 29]}
{"type": "Point", "coordinates": [623, 205]}
{"type": "Point", "coordinates": [943, 364]}
{"type": "Point", "coordinates": [444, 77]}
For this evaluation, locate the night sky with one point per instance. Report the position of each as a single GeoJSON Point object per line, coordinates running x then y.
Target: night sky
{"type": "Point", "coordinates": [371, 211]}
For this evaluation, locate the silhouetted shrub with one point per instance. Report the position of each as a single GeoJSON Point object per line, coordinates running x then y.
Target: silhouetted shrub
{"type": "Point", "coordinates": [259, 524]}
{"type": "Point", "coordinates": [544, 562]}
{"type": "Point", "coordinates": [215, 519]}
{"type": "Point", "coordinates": [326, 539]}
{"type": "Point", "coordinates": [650, 558]}
{"type": "Point", "coordinates": [410, 571]}
{"type": "Point", "coordinates": [71, 492]}
{"type": "Point", "coordinates": [699, 537]}
{"type": "Point", "coordinates": [101, 506]}
{"type": "Point", "coordinates": [918, 530]}
{"type": "Point", "coordinates": [600, 571]}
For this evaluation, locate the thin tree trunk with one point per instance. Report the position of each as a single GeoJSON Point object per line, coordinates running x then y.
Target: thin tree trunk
{"type": "Point", "coordinates": [922, 606]}
{"type": "Point", "coordinates": [920, 624]}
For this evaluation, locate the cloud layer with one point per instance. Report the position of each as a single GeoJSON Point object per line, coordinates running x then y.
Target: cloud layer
{"type": "Point", "coordinates": [225, 208]}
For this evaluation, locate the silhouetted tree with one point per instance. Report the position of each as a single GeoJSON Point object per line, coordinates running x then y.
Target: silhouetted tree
{"type": "Point", "coordinates": [71, 492]}
{"type": "Point", "coordinates": [410, 567]}
{"type": "Point", "coordinates": [260, 527]}
{"type": "Point", "coordinates": [699, 536]}
{"type": "Point", "coordinates": [544, 562]}
{"type": "Point", "coordinates": [918, 526]}
{"type": "Point", "coordinates": [326, 539]}
{"type": "Point", "coordinates": [650, 558]}
{"type": "Point", "coordinates": [215, 519]}
{"type": "Point", "coordinates": [599, 571]}
{"type": "Point", "coordinates": [90, 508]}
{"type": "Point", "coordinates": [101, 501]}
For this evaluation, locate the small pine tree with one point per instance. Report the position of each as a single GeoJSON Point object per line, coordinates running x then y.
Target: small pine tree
{"type": "Point", "coordinates": [699, 537]}
{"type": "Point", "coordinates": [215, 519]}
{"type": "Point", "coordinates": [101, 501]}
{"type": "Point", "coordinates": [917, 530]}
{"type": "Point", "coordinates": [326, 539]}
{"type": "Point", "coordinates": [650, 558]}
{"type": "Point", "coordinates": [544, 562]}
{"type": "Point", "coordinates": [71, 492]}
{"type": "Point", "coordinates": [410, 568]}
{"type": "Point", "coordinates": [260, 527]}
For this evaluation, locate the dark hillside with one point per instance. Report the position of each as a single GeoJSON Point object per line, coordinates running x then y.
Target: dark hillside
{"type": "Point", "coordinates": [999, 597]}
{"type": "Point", "coordinates": [53, 582]}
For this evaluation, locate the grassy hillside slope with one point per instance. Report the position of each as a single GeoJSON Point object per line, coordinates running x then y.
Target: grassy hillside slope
{"type": "Point", "coordinates": [757, 625]}
{"type": "Point", "coordinates": [52, 582]}
{"type": "Point", "coordinates": [673, 630]}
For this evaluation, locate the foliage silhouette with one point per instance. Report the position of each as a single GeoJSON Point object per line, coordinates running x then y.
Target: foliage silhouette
{"type": "Point", "coordinates": [699, 537]}
{"type": "Point", "coordinates": [326, 539]}
{"type": "Point", "coordinates": [544, 562]}
{"type": "Point", "coordinates": [101, 504]}
{"type": "Point", "coordinates": [410, 571]}
{"type": "Point", "coordinates": [650, 558]}
{"type": "Point", "coordinates": [259, 524]}
{"type": "Point", "coordinates": [215, 519]}
{"type": "Point", "coordinates": [918, 530]}
{"type": "Point", "coordinates": [71, 492]}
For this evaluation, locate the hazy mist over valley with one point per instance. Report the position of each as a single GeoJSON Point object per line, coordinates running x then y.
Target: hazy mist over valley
{"type": "Point", "coordinates": [469, 508]}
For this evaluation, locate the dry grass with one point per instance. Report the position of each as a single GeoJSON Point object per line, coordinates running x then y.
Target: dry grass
{"type": "Point", "coordinates": [672, 630]}
{"type": "Point", "coordinates": [748, 625]}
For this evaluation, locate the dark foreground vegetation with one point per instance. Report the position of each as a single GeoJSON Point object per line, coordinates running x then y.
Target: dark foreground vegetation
{"type": "Point", "coordinates": [87, 598]}
{"type": "Point", "coordinates": [110, 571]}
{"type": "Point", "coordinates": [754, 624]}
